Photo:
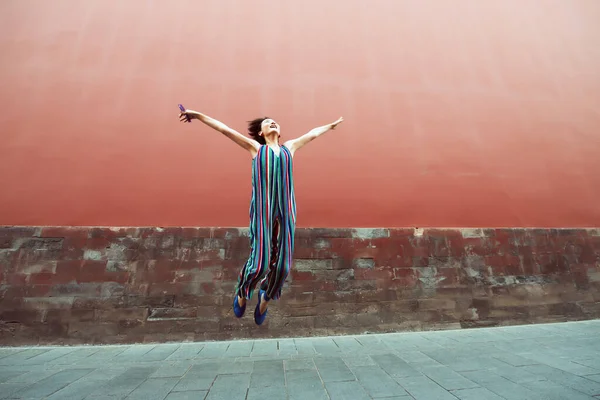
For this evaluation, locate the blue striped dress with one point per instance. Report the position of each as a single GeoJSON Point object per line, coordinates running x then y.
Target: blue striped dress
{"type": "Point", "coordinates": [272, 223]}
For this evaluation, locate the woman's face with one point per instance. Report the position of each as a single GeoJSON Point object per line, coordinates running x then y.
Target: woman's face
{"type": "Point", "coordinates": [268, 127]}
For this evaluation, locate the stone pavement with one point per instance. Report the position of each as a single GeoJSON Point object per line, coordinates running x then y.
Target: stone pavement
{"type": "Point", "coordinates": [550, 361]}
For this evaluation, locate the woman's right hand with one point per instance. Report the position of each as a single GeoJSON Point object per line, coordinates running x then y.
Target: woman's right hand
{"type": "Point", "coordinates": [187, 116]}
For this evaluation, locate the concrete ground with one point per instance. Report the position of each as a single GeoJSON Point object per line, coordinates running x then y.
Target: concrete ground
{"type": "Point", "coordinates": [551, 361]}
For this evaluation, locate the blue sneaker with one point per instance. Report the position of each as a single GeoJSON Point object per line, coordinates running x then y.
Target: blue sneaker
{"type": "Point", "coordinates": [237, 310]}
{"type": "Point", "coordinates": [258, 318]}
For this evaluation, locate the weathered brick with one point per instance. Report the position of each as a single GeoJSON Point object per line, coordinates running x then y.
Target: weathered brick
{"type": "Point", "coordinates": [22, 316]}
{"type": "Point", "coordinates": [482, 307]}
{"type": "Point", "coordinates": [475, 246]}
{"type": "Point", "coordinates": [48, 303]}
{"type": "Point", "coordinates": [27, 291]}
{"type": "Point", "coordinates": [122, 314]}
{"type": "Point", "coordinates": [367, 233]}
{"type": "Point", "coordinates": [5, 241]}
{"type": "Point", "coordinates": [363, 263]}
{"type": "Point", "coordinates": [334, 296]}
{"type": "Point", "coordinates": [383, 273]}
{"type": "Point", "coordinates": [73, 247]}
{"type": "Point", "coordinates": [472, 233]}
{"type": "Point", "coordinates": [419, 247]}
{"type": "Point", "coordinates": [76, 289]}
{"type": "Point", "coordinates": [312, 265]}
{"type": "Point", "coordinates": [352, 248]}
{"type": "Point", "coordinates": [60, 232]}
{"type": "Point", "coordinates": [436, 304]}
{"type": "Point", "coordinates": [69, 316]}
{"type": "Point", "coordinates": [16, 232]}
{"type": "Point", "coordinates": [550, 263]}
{"type": "Point", "coordinates": [92, 332]}
{"type": "Point", "coordinates": [92, 271]}
{"type": "Point", "coordinates": [396, 233]}
{"type": "Point", "coordinates": [300, 276]}
{"type": "Point", "coordinates": [37, 250]}
{"type": "Point", "coordinates": [41, 278]}
{"type": "Point", "coordinates": [165, 289]}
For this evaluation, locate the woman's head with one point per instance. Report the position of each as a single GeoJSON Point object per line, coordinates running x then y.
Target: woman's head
{"type": "Point", "coordinates": [261, 128]}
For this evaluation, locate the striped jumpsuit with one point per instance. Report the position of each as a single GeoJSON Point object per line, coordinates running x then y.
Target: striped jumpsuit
{"type": "Point", "coordinates": [272, 224]}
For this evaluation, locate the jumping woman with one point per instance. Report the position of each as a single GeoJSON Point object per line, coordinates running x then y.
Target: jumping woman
{"type": "Point", "coordinates": [272, 207]}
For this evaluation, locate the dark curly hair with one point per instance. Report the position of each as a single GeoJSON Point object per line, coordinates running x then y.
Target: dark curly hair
{"type": "Point", "coordinates": [254, 128]}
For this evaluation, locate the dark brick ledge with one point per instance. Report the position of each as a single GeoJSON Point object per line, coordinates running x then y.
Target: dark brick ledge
{"type": "Point", "coordinates": [65, 285]}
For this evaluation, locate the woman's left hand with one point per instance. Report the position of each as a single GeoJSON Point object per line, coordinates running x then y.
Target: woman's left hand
{"type": "Point", "coordinates": [336, 123]}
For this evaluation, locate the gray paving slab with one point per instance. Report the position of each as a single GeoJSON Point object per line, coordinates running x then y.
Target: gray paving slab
{"type": "Point", "coordinates": [77, 356]}
{"type": "Point", "coordinates": [377, 383]}
{"type": "Point", "coordinates": [172, 370]}
{"type": "Point", "coordinates": [326, 347]}
{"type": "Point", "coordinates": [5, 352]}
{"type": "Point", "coordinates": [7, 389]}
{"type": "Point", "coordinates": [31, 376]}
{"type": "Point", "coordinates": [265, 348]}
{"type": "Point", "coordinates": [476, 394]}
{"type": "Point", "coordinates": [373, 344]}
{"type": "Point", "coordinates": [214, 350]}
{"type": "Point", "coordinates": [186, 351]}
{"type": "Point", "coordinates": [423, 388]}
{"type": "Point", "coordinates": [306, 363]}
{"type": "Point", "coordinates": [502, 386]}
{"type": "Point", "coordinates": [267, 373]}
{"type": "Point", "coordinates": [237, 367]}
{"type": "Point", "coordinates": [6, 375]}
{"type": "Point", "coordinates": [447, 378]}
{"type": "Point", "coordinates": [105, 354]}
{"type": "Point", "coordinates": [346, 391]}
{"type": "Point", "coordinates": [595, 378]}
{"type": "Point", "coordinates": [287, 347]}
{"type": "Point", "coordinates": [160, 353]}
{"type": "Point", "coordinates": [358, 360]}
{"type": "Point", "coordinates": [333, 369]}
{"type": "Point", "coordinates": [468, 363]}
{"type": "Point", "coordinates": [48, 356]}
{"type": "Point", "coordinates": [125, 383]}
{"type": "Point", "coordinates": [514, 374]}
{"type": "Point", "coordinates": [417, 357]}
{"type": "Point", "coordinates": [54, 383]}
{"type": "Point", "coordinates": [77, 390]}
{"type": "Point", "coordinates": [304, 346]}
{"type": "Point", "coordinates": [561, 377]}
{"type": "Point", "coordinates": [395, 366]}
{"type": "Point", "coordinates": [548, 361]}
{"type": "Point", "coordinates": [199, 377]}
{"type": "Point", "coordinates": [239, 349]}
{"type": "Point", "coordinates": [229, 387]}
{"type": "Point", "coordinates": [267, 393]}
{"type": "Point", "coordinates": [153, 389]}
{"type": "Point", "coordinates": [194, 395]}
{"type": "Point", "coordinates": [514, 360]}
{"type": "Point", "coordinates": [106, 373]}
{"type": "Point", "coordinates": [348, 344]}
{"type": "Point", "coordinates": [305, 385]}
{"type": "Point", "coordinates": [134, 353]}
{"type": "Point", "coordinates": [554, 391]}
{"type": "Point", "coordinates": [22, 356]}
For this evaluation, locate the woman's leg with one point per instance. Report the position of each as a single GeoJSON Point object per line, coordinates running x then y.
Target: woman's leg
{"type": "Point", "coordinates": [257, 264]}
{"type": "Point", "coordinates": [266, 282]}
{"type": "Point", "coordinates": [281, 261]}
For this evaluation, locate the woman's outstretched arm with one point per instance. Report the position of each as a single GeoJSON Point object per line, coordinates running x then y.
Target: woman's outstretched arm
{"type": "Point", "coordinates": [296, 144]}
{"type": "Point", "coordinates": [245, 142]}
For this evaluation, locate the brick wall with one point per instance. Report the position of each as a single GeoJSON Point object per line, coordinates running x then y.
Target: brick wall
{"type": "Point", "coordinates": [123, 285]}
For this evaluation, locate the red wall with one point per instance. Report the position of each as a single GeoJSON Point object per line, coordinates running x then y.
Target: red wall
{"type": "Point", "coordinates": [458, 113]}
